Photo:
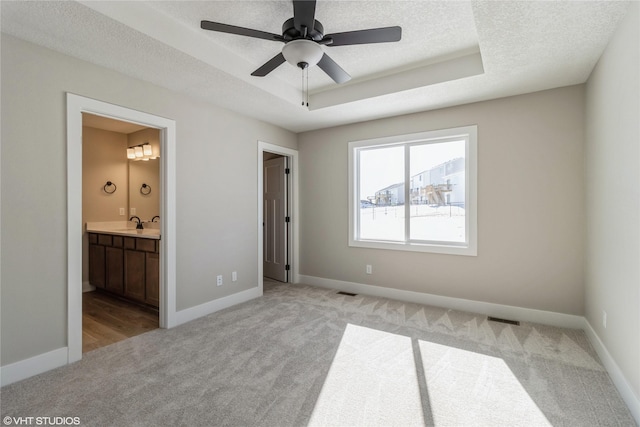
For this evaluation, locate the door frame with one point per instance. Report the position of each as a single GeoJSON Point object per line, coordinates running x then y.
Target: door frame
{"type": "Point", "coordinates": [293, 240]}
{"type": "Point", "coordinates": [76, 105]}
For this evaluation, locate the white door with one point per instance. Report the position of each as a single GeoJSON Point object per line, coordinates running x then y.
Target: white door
{"type": "Point", "coordinates": [275, 219]}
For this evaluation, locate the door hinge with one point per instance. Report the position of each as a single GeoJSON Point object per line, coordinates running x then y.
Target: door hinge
{"type": "Point", "coordinates": [287, 219]}
{"type": "Point", "coordinates": [286, 171]}
{"type": "Point", "coordinates": [287, 267]}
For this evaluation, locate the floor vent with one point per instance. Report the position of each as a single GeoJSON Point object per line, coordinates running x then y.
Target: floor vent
{"type": "Point", "coordinates": [497, 319]}
{"type": "Point", "coordinates": [349, 294]}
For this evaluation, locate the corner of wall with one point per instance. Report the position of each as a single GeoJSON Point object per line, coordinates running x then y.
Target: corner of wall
{"type": "Point", "coordinates": [617, 376]}
{"type": "Point", "coordinates": [612, 154]}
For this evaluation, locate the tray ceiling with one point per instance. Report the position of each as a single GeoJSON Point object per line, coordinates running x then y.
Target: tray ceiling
{"type": "Point", "coordinates": [451, 52]}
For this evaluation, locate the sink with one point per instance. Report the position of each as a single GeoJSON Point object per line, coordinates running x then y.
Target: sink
{"type": "Point", "coordinates": [148, 231]}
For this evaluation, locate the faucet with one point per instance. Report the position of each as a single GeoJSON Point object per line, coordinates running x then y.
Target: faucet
{"type": "Point", "coordinates": [139, 224]}
{"type": "Point", "coordinates": [154, 218]}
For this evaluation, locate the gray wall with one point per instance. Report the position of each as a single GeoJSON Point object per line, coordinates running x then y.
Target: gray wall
{"type": "Point", "coordinates": [530, 206]}
{"type": "Point", "coordinates": [216, 190]}
{"type": "Point", "coordinates": [613, 198]}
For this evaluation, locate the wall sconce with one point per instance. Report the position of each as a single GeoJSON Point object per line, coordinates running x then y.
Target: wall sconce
{"type": "Point", "coordinates": [141, 152]}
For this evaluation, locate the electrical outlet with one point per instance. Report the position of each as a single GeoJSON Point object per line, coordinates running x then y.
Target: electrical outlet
{"type": "Point", "coordinates": [121, 211]}
{"type": "Point", "coordinates": [219, 280]}
{"type": "Point", "coordinates": [234, 276]}
{"type": "Point", "coordinates": [369, 269]}
{"type": "Point", "coordinates": [132, 211]}
{"type": "Point", "coordinates": [604, 319]}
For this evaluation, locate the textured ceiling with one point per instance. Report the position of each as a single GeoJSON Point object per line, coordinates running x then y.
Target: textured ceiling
{"type": "Point", "coordinates": [451, 29]}
{"type": "Point", "coordinates": [451, 52]}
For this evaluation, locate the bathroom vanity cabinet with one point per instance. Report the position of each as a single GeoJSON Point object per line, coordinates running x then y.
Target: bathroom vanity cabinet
{"type": "Point", "coordinates": [126, 266]}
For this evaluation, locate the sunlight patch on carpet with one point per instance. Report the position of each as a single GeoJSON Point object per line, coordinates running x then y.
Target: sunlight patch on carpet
{"type": "Point", "coordinates": [473, 389]}
{"type": "Point", "coordinates": [372, 381]}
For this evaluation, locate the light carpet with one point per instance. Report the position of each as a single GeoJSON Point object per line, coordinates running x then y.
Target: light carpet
{"type": "Point", "coordinates": [302, 355]}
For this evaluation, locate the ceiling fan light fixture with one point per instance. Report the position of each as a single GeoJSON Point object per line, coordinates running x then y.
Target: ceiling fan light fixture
{"type": "Point", "coordinates": [302, 51]}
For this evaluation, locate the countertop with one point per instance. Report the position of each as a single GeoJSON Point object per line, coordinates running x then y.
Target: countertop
{"type": "Point", "coordinates": [125, 228]}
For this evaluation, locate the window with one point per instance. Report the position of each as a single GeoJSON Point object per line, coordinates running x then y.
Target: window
{"type": "Point", "coordinates": [415, 192]}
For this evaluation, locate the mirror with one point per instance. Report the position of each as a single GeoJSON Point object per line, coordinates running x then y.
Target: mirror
{"type": "Point", "coordinates": [144, 188]}
{"type": "Point", "coordinates": [144, 177]}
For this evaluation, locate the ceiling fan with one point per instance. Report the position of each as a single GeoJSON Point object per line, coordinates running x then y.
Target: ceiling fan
{"type": "Point", "coordinates": [304, 36]}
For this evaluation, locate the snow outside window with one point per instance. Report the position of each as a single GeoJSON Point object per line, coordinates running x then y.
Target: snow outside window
{"type": "Point", "coordinates": [415, 192]}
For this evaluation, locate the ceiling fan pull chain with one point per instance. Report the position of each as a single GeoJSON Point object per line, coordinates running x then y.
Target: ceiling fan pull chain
{"type": "Point", "coordinates": [302, 85]}
{"type": "Point", "coordinates": [307, 86]}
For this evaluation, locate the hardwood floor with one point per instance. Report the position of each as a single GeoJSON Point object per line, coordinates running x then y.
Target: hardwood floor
{"type": "Point", "coordinates": [107, 319]}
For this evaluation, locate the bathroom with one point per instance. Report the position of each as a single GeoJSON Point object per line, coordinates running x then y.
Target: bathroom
{"type": "Point", "coordinates": [121, 230]}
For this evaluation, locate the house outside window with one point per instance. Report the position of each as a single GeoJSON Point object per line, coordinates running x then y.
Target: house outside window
{"type": "Point", "coordinates": [422, 189]}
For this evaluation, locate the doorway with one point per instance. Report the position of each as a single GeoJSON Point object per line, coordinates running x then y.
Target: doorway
{"type": "Point", "coordinates": [276, 217]}
{"type": "Point", "coordinates": [278, 244]}
{"type": "Point", "coordinates": [120, 268]}
{"type": "Point", "coordinates": [76, 107]}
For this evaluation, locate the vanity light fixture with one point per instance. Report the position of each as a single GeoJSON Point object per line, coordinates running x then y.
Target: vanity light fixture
{"type": "Point", "coordinates": [141, 152]}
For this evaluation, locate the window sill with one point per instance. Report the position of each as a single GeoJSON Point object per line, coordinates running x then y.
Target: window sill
{"type": "Point", "coordinates": [466, 250]}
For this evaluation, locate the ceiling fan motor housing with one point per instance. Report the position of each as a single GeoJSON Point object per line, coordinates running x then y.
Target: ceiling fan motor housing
{"type": "Point", "coordinates": [290, 32]}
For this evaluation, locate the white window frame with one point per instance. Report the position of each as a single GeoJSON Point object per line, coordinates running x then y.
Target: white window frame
{"type": "Point", "coordinates": [470, 135]}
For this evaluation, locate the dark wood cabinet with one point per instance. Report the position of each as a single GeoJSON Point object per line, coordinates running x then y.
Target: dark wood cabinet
{"type": "Point", "coordinates": [134, 272]}
{"type": "Point", "coordinates": [97, 266]}
{"type": "Point", "coordinates": [126, 266]}
{"type": "Point", "coordinates": [114, 267]}
{"type": "Point", "coordinates": [152, 277]}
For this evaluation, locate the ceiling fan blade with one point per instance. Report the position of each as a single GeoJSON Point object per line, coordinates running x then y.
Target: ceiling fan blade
{"type": "Point", "coordinates": [269, 66]}
{"type": "Point", "coordinates": [304, 12]}
{"type": "Point", "coordinates": [334, 71]}
{"type": "Point", "coordinates": [232, 29]}
{"type": "Point", "coordinates": [373, 35]}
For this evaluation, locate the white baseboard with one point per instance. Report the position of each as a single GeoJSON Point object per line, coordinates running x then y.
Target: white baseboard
{"type": "Point", "coordinates": [489, 309]}
{"type": "Point", "coordinates": [619, 380]}
{"type": "Point", "coordinates": [192, 313]}
{"type": "Point", "coordinates": [87, 287]}
{"type": "Point", "coordinates": [26, 368]}
{"type": "Point", "coordinates": [497, 310]}
{"type": "Point", "coordinates": [54, 359]}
